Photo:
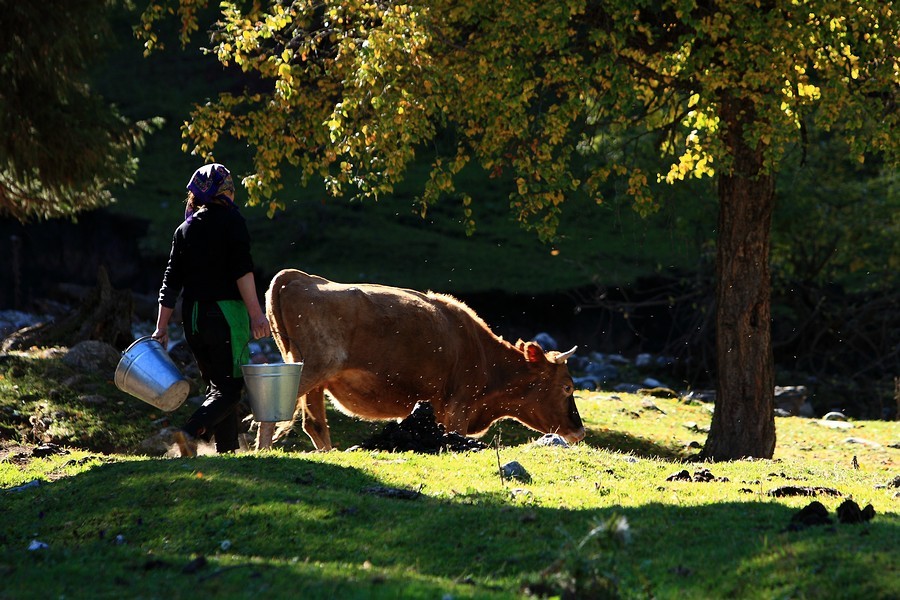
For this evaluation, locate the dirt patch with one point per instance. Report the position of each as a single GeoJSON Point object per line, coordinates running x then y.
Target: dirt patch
{"type": "Point", "coordinates": [419, 432]}
{"type": "Point", "coordinates": [15, 453]}
{"type": "Point", "coordinates": [701, 475]}
{"type": "Point", "coordinates": [21, 456]}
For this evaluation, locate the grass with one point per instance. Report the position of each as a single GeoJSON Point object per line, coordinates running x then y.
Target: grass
{"type": "Point", "coordinates": [293, 523]}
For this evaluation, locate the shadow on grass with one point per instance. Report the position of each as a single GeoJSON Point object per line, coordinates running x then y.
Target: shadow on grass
{"type": "Point", "coordinates": [286, 526]}
{"type": "Point", "coordinates": [618, 441]}
{"type": "Point", "coordinates": [349, 431]}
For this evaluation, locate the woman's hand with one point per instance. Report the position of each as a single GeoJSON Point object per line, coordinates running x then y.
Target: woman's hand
{"type": "Point", "coordinates": [162, 336]}
{"type": "Point", "coordinates": [162, 326]}
{"type": "Point", "coordinates": [260, 327]}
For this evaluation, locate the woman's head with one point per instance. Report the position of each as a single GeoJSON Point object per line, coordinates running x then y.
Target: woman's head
{"type": "Point", "coordinates": [210, 184]}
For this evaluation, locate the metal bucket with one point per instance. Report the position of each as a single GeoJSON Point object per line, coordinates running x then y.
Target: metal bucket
{"type": "Point", "coordinates": [272, 390]}
{"type": "Point", "coordinates": [147, 372]}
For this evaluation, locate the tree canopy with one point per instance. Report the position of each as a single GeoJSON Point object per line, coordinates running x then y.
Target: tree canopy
{"type": "Point", "coordinates": [556, 96]}
{"type": "Point", "coordinates": [351, 91]}
{"type": "Point", "coordinates": [62, 147]}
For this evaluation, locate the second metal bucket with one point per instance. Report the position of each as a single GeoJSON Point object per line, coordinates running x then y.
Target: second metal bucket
{"type": "Point", "coordinates": [272, 390]}
{"type": "Point", "coordinates": [147, 372]}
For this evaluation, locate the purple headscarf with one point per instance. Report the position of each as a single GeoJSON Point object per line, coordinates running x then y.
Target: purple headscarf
{"type": "Point", "coordinates": [210, 183]}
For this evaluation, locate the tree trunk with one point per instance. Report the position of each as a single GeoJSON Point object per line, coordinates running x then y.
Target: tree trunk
{"type": "Point", "coordinates": [743, 425]}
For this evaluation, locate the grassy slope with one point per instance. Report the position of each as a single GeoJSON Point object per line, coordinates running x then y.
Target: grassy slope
{"type": "Point", "coordinates": [294, 523]}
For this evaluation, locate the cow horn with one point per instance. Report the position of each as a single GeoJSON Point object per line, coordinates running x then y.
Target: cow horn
{"type": "Point", "coordinates": [562, 357]}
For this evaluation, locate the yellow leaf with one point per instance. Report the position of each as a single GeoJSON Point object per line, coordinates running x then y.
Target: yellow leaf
{"type": "Point", "coordinates": [522, 186]}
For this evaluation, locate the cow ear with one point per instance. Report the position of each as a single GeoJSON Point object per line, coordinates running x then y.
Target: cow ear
{"type": "Point", "coordinates": [533, 352]}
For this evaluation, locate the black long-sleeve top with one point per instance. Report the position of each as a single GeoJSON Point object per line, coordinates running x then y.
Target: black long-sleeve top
{"type": "Point", "coordinates": [209, 254]}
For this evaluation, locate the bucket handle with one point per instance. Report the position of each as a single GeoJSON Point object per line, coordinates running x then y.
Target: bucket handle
{"type": "Point", "coordinates": [143, 338]}
{"type": "Point", "coordinates": [272, 337]}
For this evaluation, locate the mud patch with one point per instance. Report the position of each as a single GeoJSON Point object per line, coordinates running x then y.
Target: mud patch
{"type": "Point", "coordinates": [419, 432]}
{"type": "Point", "coordinates": [700, 475]}
{"type": "Point", "coordinates": [798, 490]}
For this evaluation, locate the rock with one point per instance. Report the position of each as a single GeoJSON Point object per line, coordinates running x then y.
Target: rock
{"type": "Point", "coordinates": [643, 360]}
{"type": "Point", "coordinates": [856, 440]}
{"type": "Point", "coordinates": [25, 486]}
{"type": "Point", "coordinates": [37, 545]}
{"type": "Point", "coordinates": [692, 426]}
{"type": "Point", "coordinates": [650, 405]}
{"type": "Point", "coordinates": [700, 396]}
{"type": "Point", "coordinates": [551, 439]}
{"type": "Point", "coordinates": [835, 424]}
{"type": "Point", "coordinates": [93, 356]}
{"type": "Point", "coordinates": [615, 358]}
{"type": "Point", "coordinates": [601, 371]}
{"type": "Point", "coordinates": [588, 384]}
{"type": "Point", "coordinates": [834, 416]}
{"type": "Point", "coordinates": [514, 470]}
{"type": "Point", "coordinates": [14, 320]}
{"type": "Point", "coordinates": [790, 398]}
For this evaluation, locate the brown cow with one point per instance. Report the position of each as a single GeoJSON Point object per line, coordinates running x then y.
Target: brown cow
{"type": "Point", "coordinates": [379, 349]}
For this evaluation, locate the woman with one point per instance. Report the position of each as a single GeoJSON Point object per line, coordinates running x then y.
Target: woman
{"type": "Point", "coordinates": [211, 267]}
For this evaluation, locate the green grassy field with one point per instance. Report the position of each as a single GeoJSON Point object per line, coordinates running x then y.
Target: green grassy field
{"type": "Point", "coordinates": [600, 517]}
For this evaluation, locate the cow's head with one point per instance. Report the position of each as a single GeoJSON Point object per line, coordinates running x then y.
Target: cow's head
{"type": "Point", "coordinates": [550, 406]}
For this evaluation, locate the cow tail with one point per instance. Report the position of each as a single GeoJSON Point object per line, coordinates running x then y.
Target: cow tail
{"type": "Point", "coordinates": [274, 314]}
{"type": "Point", "coordinates": [282, 339]}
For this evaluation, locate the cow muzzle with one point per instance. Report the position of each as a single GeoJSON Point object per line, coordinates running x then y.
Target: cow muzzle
{"type": "Point", "coordinates": [573, 437]}
{"type": "Point", "coordinates": [576, 434]}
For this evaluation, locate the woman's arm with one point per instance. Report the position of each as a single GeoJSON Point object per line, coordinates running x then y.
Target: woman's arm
{"type": "Point", "coordinates": [259, 325]}
{"type": "Point", "coordinates": [162, 325]}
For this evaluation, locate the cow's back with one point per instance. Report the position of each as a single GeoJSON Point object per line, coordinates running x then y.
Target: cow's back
{"type": "Point", "coordinates": [377, 349]}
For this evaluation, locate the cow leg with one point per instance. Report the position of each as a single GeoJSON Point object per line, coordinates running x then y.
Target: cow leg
{"type": "Point", "coordinates": [314, 422]}
{"type": "Point", "coordinates": [264, 435]}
